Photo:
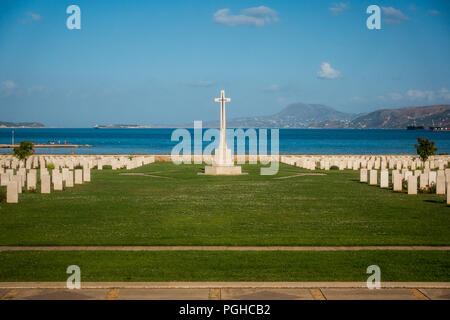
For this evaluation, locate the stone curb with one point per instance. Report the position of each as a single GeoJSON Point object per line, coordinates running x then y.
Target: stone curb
{"type": "Point", "coordinates": [224, 248]}
{"type": "Point", "coordinates": [209, 285]}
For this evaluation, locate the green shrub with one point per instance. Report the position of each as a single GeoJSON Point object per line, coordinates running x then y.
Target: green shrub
{"type": "Point", "coordinates": [431, 188]}
{"type": "Point", "coordinates": [334, 168]}
{"type": "Point", "coordinates": [425, 148]}
{"type": "Point", "coordinates": [107, 167]}
{"type": "Point", "coordinates": [404, 184]}
{"type": "Point", "coordinates": [50, 166]}
{"type": "Point", "coordinates": [24, 150]}
{"type": "Point", "coordinates": [2, 194]}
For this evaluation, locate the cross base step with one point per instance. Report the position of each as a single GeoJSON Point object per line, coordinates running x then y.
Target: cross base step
{"type": "Point", "coordinates": [223, 170]}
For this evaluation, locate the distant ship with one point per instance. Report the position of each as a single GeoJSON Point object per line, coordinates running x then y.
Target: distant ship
{"type": "Point", "coordinates": [415, 127]}
{"type": "Point", "coordinates": [439, 128]}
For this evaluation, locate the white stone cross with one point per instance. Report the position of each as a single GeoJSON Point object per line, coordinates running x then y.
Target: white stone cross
{"type": "Point", "coordinates": [222, 150]}
{"type": "Point", "coordinates": [222, 101]}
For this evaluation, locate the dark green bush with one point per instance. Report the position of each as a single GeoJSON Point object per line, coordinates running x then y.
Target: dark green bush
{"type": "Point", "coordinates": [2, 194]}
{"type": "Point", "coordinates": [24, 150]}
{"type": "Point", "coordinates": [334, 168]}
{"type": "Point", "coordinates": [425, 148]}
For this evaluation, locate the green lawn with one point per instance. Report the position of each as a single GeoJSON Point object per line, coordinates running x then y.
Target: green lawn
{"type": "Point", "coordinates": [225, 266]}
{"type": "Point", "coordinates": [176, 206]}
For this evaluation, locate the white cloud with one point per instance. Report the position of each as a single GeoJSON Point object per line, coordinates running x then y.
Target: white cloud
{"type": "Point", "coordinates": [339, 7]}
{"type": "Point", "coordinates": [257, 16]}
{"type": "Point", "coordinates": [327, 72]}
{"type": "Point", "coordinates": [429, 95]}
{"type": "Point", "coordinates": [393, 16]}
{"type": "Point", "coordinates": [281, 100]}
{"type": "Point", "coordinates": [412, 7]}
{"type": "Point", "coordinates": [356, 99]}
{"type": "Point", "coordinates": [7, 87]}
{"type": "Point", "coordinates": [37, 89]}
{"type": "Point", "coordinates": [444, 93]}
{"type": "Point", "coordinates": [434, 12]}
{"type": "Point", "coordinates": [419, 94]}
{"type": "Point", "coordinates": [272, 88]}
{"type": "Point", "coordinates": [31, 17]}
{"type": "Point", "coordinates": [395, 96]}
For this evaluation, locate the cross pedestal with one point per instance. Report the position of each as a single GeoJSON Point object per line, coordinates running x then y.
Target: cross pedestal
{"type": "Point", "coordinates": [223, 161]}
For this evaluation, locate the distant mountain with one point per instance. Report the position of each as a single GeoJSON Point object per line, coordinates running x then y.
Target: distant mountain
{"type": "Point", "coordinates": [21, 125]}
{"type": "Point", "coordinates": [438, 115]}
{"type": "Point", "coordinates": [295, 115]}
{"type": "Point", "coordinates": [121, 126]}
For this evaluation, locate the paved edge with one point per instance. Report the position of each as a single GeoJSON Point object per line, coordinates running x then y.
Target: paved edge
{"type": "Point", "coordinates": [223, 285]}
{"type": "Point", "coordinates": [223, 248]}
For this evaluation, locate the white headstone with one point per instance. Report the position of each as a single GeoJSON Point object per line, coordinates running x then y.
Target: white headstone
{"type": "Point", "coordinates": [43, 172]}
{"type": "Point", "coordinates": [440, 184]}
{"type": "Point", "coordinates": [432, 177]}
{"type": "Point", "coordinates": [384, 179]}
{"type": "Point", "coordinates": [11, 192]}
{"type": "Point", "coordinates": [87, 174]}
{"type": "Point", "coordinates": [69, 179]}
{"type": "Point", "coordinates": [397, 181]}
{"type": "Point", "coordinates": [363, 175]}
{"type": "Point", "coordinates": [424, 180]}
{"type": "Point", "coordinates": [448, 193]}
{"type": "Point", "coordinates": [78, 176]}
{"type": "Point", "coordinates": [407, 174]}
{"type": "Point", "coordinates": [18, 179]}
{"type": "Point", "coordinates": [10, 173]}
{"type": "Point", "coordinates": [57, 181]}
{"type": "Point", "coordinates": [45, 184]}
{"type": "Point", "coordinates": [412, 184]}
{"type": "Point", "coordinates": [31, 180]}
{"type": "Point", "coordinates": [373, 177]}
{"type": "Point", "coordinates": [4, 179]}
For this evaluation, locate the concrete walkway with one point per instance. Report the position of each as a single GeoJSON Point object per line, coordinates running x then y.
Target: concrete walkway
{"type": "Point", "coordinates": [222, 248]}
{"type": "Point", "coordinates": [225, 291]}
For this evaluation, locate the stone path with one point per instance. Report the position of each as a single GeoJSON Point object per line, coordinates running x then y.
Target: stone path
{"type": "Point", "coordinates": [143, 175]}
{"type": "Point", "coordinates": [223, 248]}
{"type": "Point", "coordinates": [300, 175]}
{"type": "Point", "coordinates": [225, 291]}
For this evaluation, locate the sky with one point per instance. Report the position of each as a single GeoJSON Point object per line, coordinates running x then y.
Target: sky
{"type": "Point", "coordinates": [164, 62]}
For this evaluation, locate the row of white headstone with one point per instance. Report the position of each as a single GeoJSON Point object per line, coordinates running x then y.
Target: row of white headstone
{"type": "Point", "coordinates": [16, 180]}
{"type": "Point", "coordinates": [440, 179]}
{"type": "Point", "coordinates": [369, 167]}
{"type": "Point", "coordinates": [356, 162]}
{"type": "Point", "coordinates": [63, 174]}
{"type": "Point", "coordinates": [41, 161]}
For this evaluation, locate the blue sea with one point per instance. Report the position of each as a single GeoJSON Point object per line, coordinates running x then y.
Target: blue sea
{"type": "Point", "coordinates": [291, 141]}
